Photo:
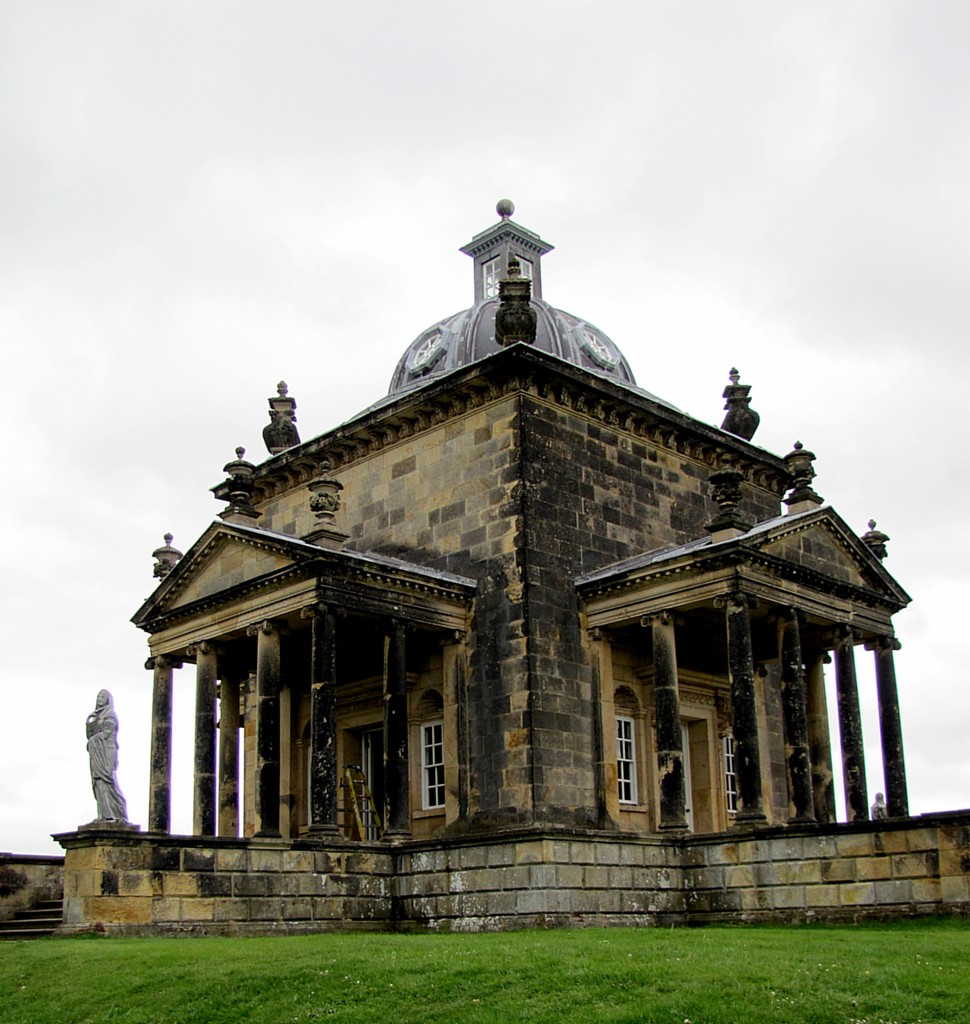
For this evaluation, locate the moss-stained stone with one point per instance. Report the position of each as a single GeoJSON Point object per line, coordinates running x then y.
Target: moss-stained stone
{"type": "Point", "coordinates": [819, 896]}
{"type": "Point", "coordinates": [858, 845]}
{"type": "Point", "coordinates": [265, 860]}
{"type": "Point", "coordinates": [857, 894]}
{"type": "Point", "coordinates": [870, 869]}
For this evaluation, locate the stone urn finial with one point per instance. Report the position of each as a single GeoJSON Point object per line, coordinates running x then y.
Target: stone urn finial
{"type": "Point", "coordinates": [515, 319]}
{"type": "Point", "coordinates": [741, 419]}
{"type": "Point", "coordinates": [801, 471]}
{"type": "Point", "coordinates": [238, 489]}
{"type": "Point", "coordinates": [726, 492]}
{"type": "Point", "coordinates": [325, 504]}
{"type": "Point", "coordinates": [875, 540]}
{"type": "Point", "coordinates": [165, 558]}
{"type": "Point", "coordinates": [281, 433]}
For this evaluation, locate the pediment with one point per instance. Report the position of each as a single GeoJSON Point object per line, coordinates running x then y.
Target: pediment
{"type": "Point", "coordinates": [223, 559]}
{"type": "Point", "coordinates": [817, 549]}
{"type": "Point", "coordinates": [823, 544]}
{"type": "Point", "coordinates": [234, 562]}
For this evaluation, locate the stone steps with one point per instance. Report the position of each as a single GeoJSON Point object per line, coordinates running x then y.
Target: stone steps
{"type": "Point", "coordinates": [37, 923]}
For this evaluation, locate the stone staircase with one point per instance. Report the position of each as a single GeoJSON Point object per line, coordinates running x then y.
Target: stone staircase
{"type": "Point", "coordinates": [37, 923]}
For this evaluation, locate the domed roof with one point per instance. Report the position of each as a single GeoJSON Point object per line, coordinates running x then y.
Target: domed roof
{"type": "Point", "coordinates": [465, 337]}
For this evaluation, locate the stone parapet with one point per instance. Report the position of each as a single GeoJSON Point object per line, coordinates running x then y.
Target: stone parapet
{"type": "Point", "coordinates": [26, 879]}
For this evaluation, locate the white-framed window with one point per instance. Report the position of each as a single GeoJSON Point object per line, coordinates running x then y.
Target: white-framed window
{"type": "Point", "coordinates": [730, 776]}
{"type": "Point", "coordinates": [626, 762]}
{"type": "Point", "coordinates": [493, 272]}
{"type": "Point", "coordinates": [432, 766]}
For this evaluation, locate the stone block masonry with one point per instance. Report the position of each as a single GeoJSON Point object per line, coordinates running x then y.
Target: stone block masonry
{"type": "Point", "coordinates": [143, 884]}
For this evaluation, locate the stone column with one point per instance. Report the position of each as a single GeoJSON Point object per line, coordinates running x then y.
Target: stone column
{"type": "Point", "coordinates": [890, 728]}
{"type": "Point", "coordinates": [229, 754]}
{"type": "Point", "coordinates": [793, 702]}
{"type": "Point", "coordinates": [670, 741]}
{"type": "Point", "coordinates": [604, 730]}
{"type": "Point", "coordinates": [819, 740]}
{"type": "Point", "coordinates": [747, 749]}
{"type": "Point", "coordinates": [397, 810]}
{"type": "Point", "coordinates": [204, 789]}
{"type": "Point", "coordinates": [267, 728]}
{"type": "Point", "coordinates": [160, 791]}
{"type": "Point", "coordinates": [850, 728]}
{"type": "Point", "coordinates": [455, 729]}
{"type": "Point", "coordinates": [323, 719]}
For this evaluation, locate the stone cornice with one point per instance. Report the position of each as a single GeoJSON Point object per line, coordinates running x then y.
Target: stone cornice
{"type": "Point", "coordinates": [516, 370]}
{"type": "Point", "coordinates": [697, 563]}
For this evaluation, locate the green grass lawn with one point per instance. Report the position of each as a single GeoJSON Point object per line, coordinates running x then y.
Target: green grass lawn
{"type": "Point", "coordinates": [907, 972]}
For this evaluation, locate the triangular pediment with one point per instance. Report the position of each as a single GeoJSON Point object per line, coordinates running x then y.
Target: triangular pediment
{"type": "Point", "coordinates": [233, 562]}
{"type": "Point", "coordinates": [818, 549]}
{"type": "Point", "coordinates": [223, 559]}
{"type": "Point", "coordinates": [820, 543]}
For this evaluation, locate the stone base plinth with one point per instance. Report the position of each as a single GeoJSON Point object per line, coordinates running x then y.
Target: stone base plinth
{"type": "Point", "coordinates": [148, 883]}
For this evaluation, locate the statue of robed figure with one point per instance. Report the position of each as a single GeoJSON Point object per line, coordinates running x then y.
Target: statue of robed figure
{"type": "Point", "coordinates": [102, 730]}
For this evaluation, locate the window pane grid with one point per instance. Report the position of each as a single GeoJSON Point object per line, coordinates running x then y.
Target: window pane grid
{"type": "Point", "coordinates": [730, 776]}
{"type": "Point", "coordinates": [432, 766]}
{"type": "Point", "coordinates": [626, 777]}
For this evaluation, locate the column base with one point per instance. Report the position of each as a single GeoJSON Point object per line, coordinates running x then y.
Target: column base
{"type": "Point", "coordinates": [324, 831]}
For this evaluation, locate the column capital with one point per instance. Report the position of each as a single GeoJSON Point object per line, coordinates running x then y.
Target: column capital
{"type": "Point", "coordinates": [163, 661]}
{"type": "Point", "coordinates": [847, 634]}
{"type": "Point", "coordinates": [312, 611]}
{"type": "Point", "coordinates": [202, 647]}
{"type": "Point", "coordinates": [266, 626]}
{"type": "Point", "coordinates": [453, 636]}
{"type": "Point", "coordinates": [665, 618]}
{"type": "Point", "coordinates": [883, 643]}
{"type": "Point", "coordinates": [736, 599]}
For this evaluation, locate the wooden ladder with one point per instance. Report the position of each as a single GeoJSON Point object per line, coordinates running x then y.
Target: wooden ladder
{"type": "Point", "coordinates": [364, 821]}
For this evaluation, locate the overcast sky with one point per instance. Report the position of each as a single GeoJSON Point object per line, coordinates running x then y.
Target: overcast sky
{"type": "Point", "coordinates": [198, 199]}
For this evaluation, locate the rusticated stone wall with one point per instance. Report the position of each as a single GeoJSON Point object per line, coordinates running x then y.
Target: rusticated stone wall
{"type": "Point", "coordinates": [148, 885]}
{"type": "Point", "coordinates": [143, 884]}
{"type": "Point", "coordinates": [837, 872]}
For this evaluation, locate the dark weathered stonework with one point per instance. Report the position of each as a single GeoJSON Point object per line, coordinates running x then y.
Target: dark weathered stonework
{"type": "Point", "coordinates": [796, 719]}
{"type": "Point", "coordinates": [515, 319]}
{"type": "Point", "coordinates": [741, 419]}
{"type": "Point", "coordinates": [281, 432]}
{"type": "Point", "coordinates": [893, 763]}
{"type": "Point", "coordinates": [204, 802]}
{"type": "Point", "coordinates": [267, 728]}
{"type": "Point", "coordinates": [850, 729]}
{"type": "Point", "coordinates": [743, 701]}
{"type": "Point", "coordinates": [323, 721]}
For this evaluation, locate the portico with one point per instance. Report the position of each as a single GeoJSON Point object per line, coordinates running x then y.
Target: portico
{"type": "Point", "coordinates": [294, 658]}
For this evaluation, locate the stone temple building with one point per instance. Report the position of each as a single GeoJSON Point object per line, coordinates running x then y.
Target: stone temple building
{"type": "Point", "coordinates": [519, 644]}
